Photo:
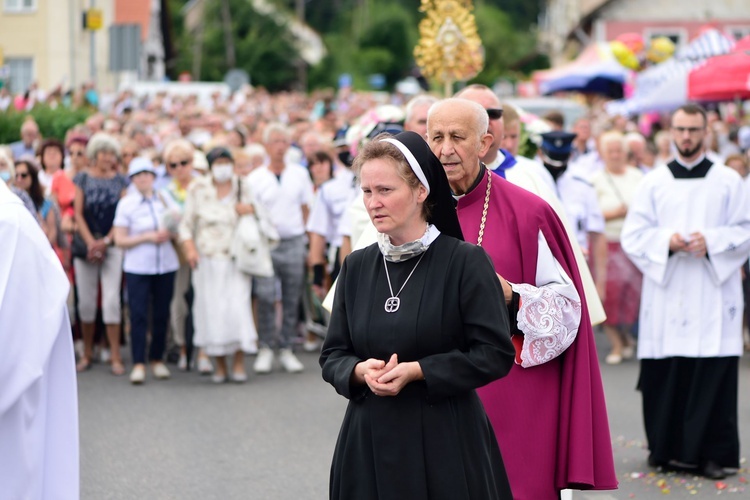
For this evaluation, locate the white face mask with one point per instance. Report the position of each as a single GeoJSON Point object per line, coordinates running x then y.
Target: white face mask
{"type": "Point", "coordinates": [222, 173]}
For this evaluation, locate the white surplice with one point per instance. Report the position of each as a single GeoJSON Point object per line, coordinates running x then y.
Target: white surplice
{"type": "Point", "coordinates": [691, 306]}
{"type": "Point", "coordinates": [38, 392]}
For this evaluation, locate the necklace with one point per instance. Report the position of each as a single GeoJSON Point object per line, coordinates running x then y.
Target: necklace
{"type": "Point", "coordinates": [393, 302]}
{"type": "Point", "coordinates": [484, 210]}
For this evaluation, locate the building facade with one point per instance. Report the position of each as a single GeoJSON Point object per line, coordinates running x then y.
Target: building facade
{"type": "Point", "coordinates": [567, 25]}
{"type": "Point", "coordinates": [45, 41]}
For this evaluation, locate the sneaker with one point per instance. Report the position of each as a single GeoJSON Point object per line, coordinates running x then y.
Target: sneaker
{"type": "Point", "coordinates": [290, 362]}
{"type": "Point", "coordinates": [264, 360]}
{"type": "Point", "coordinates": [138, 375]}
{"type": "Point", "coordinates": [312, 345]}
{"type": "Point", "coordinates": [239, 377]}
{"type": "Point", "coordinates": [204, 366]}
{"type": "Point", "coordinates": [160, 371]}
{"type": "Point", "coordinates": [613, 359]}
{"type": "Point", "coordinates": [182, 363]}
{"type": "Point", "coordinates": [218, 379]}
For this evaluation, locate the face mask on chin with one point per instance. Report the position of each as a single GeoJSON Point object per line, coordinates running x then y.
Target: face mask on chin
{"type": "Point", "coordinates": [222, 173]}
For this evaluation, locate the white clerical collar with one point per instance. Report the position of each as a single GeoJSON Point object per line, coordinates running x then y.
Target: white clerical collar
{"type": "Point", "coordinates": [692, 164]}
{"type": "Point", "coordinates": [499, 159]}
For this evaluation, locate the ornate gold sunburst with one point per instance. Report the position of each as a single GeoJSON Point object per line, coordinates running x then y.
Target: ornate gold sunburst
{"type": "Point", "coordinates": [449, 47]}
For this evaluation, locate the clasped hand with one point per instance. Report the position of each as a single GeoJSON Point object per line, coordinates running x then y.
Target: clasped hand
{"type": "Point", "coordinates": [695, 244]}
{"type": "Point", "coordinates": [387, 379]}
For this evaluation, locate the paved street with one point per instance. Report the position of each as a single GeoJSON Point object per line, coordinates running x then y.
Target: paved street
{"type": "Point", "coordinates": [273, 437]}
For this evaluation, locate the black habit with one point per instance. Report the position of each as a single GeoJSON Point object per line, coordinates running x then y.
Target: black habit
{"type": "Point", "coordinates": [433, 440]}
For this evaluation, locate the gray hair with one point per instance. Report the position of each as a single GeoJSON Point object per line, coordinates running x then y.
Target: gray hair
{"type": "Point", "coordinates": [613, 136]}
{"type": "Point", "coordinates": [276, 128]}
{"type": "Point", "coordinates": [481, 120]}
{"type": "Point", "coordinates": [418, 101]}
{"type": "Point", "coordinates": [177, 146]}
{"type": "Point", "coordinates": [102, 141]}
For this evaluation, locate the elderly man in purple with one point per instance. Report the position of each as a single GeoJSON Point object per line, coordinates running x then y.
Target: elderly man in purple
{"type": "Point", "coordinates": [549, 413]}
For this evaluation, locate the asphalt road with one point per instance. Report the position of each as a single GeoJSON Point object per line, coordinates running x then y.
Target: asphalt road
{"type": "Point", "coordinates": [272, 438]}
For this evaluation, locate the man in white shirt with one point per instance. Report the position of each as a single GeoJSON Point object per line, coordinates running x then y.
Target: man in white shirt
{"type": "Point", "coordinates": [688, 231]}
{"type": "Point", "coordinates": [286, 192]}
{"type": "Point", "coordinates": [38, 392]}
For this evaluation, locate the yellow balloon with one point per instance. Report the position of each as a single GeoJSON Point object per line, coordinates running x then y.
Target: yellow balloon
{"type": "Point", "coordinates": [661, 49]}
{"type": "Point", "coordinates": [624, 55]}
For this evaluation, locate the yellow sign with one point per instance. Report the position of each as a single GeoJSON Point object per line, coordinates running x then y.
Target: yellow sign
{"type": "Point", "coordinates": [449, 49]}
{"type": "Point", "coordinates": [93, 19]}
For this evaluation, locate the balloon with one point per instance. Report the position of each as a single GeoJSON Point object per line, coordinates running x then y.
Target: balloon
{"type": "Point", "coordinates": [633, 41]}
{"type": "Point", "coordinates": [624, 55]}
{"type": "Point", "coordinates": [661, 49]}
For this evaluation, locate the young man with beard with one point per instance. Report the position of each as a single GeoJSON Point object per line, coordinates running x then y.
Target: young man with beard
{"type": "Point", "coordinates": [688, 231]}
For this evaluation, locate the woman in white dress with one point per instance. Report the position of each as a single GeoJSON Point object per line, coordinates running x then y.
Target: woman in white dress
{"type": "Point", "coordinates": [221, 309]}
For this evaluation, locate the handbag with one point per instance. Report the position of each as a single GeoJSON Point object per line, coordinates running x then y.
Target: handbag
{"type": "Point", "coordinates": [252, 242]}
{"type": "Point", "coordinates": [78, 247]}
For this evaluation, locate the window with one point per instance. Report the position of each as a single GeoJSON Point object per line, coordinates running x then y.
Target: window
{"type": "Point", "coordinates": [21, 73]}
{"type": "Point", "coordinates": [678, 36]}
{"type": "Point", "coordinates": [737, 32]}
{"type": "Point", "coordinates": [19, 5]}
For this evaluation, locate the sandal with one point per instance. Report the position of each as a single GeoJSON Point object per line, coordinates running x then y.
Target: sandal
{"type": "Point", "coordinates": [83, 365]}
{"type": "Point", "coordinates": [117, 368]}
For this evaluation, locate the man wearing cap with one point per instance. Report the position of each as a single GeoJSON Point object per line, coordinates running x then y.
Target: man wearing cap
{"type": "Point", "coordinates": [579, 199]}
{"type": "Point", "coordinates": [688, 231]}
{"type": "Point", "coordinates": [549, 413]}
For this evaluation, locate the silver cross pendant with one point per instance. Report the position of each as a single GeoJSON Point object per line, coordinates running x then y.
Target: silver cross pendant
{"type": "Point", "coordinates": [392, 304]}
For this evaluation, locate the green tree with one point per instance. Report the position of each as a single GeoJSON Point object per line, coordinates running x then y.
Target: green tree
{"type": "Point", "coordinates": [263, 47]}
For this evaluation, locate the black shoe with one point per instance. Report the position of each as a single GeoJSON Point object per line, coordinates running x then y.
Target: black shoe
{"type": "Point", "coordinates": [653, 462]}
{"type": "Point", "coordinates": [712, 471]}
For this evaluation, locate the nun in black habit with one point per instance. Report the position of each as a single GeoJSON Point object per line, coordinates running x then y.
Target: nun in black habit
{"type": "Point", "coordinates": [415, 329]}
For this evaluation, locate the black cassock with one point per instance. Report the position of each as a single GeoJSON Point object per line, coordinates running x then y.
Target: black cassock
{"type": "Point", "coordinates": [433, 440]}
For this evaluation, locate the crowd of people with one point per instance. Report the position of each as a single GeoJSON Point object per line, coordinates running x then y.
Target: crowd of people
{"type": "Point", "coordinates": [142, 204]}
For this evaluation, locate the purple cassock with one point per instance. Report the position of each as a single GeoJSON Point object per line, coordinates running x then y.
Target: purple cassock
{"type": "Point", "coordinates": [550, 420]}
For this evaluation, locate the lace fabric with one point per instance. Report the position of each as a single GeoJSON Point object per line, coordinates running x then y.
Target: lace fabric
{"type": "Point", "coordinates": [549, 322]}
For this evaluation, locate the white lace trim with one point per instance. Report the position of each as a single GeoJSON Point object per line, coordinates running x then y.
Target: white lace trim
{"type": "Point", "coordinates": [549, 322]}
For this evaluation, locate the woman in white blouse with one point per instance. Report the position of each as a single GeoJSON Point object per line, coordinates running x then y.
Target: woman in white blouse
{"type": "Point", "coordinates": [615, 187]}
{"type": "Point", "coordinates": [150, 263]}
{"type": "Point", "coordinates": [221, 308]}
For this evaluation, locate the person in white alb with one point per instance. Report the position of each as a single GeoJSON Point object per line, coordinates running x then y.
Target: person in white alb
{"type": "Point", "coordinates": [286, 192]}
{"type": "Point", "coordinates": [38, 394]}
{"type": "Point", "coordinates": [688, 231]}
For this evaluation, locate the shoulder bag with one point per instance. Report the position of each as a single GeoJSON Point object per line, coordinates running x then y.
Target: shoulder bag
{"type": "Point", "coordinates": [252, 241]}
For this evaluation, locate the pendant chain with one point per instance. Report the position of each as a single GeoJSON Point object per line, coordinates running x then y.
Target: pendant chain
{"type": "Point", "coordinates": [484, 210]}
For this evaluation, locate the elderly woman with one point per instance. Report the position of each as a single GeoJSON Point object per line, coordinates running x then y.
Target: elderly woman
{"type": "Point", "coordinates": [179, 158]}
{"type": "Point", "coordinates": [8, 176]}
{"type": "Point", "coordinates": [150, 264]}
{"type": "Point", "coordinates": [221, 308]}
{"type": "Point", "coordinates": [97, 193]}
{"type": "Point", "coordinates": [411, 338]}
{"type": "Point", "coordinates": [615, 187]}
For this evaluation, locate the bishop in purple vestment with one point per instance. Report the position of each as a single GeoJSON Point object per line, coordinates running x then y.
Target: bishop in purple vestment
{"type": "Point", "coordinates": [549, 413]}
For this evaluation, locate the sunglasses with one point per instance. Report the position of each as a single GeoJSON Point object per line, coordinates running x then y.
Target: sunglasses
{"type": "Point", "coordinates": [22, 175]}
{"type": "Point", "coordinates": [182, 163]}
{"type": "Point", "coordinates": [494, 113]}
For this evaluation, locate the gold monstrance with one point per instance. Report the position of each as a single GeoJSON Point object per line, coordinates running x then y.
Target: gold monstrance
{"type": "Point", "coordinates": [449, 47]}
